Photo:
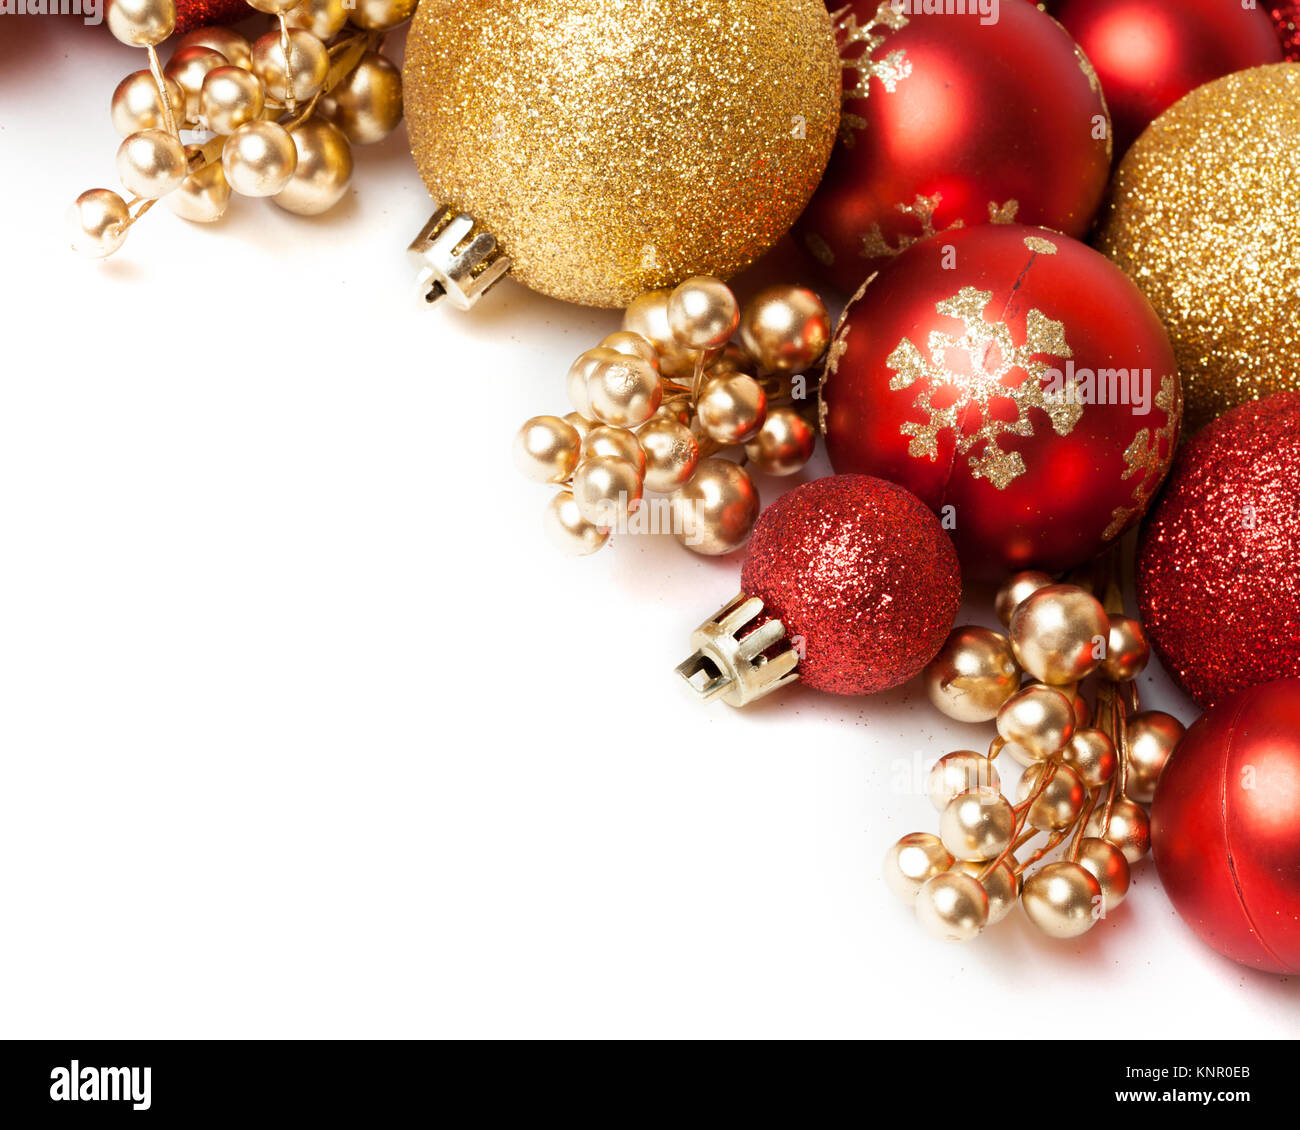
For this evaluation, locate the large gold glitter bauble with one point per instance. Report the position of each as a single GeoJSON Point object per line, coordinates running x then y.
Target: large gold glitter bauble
{"type": "Point", "coordinates": [1205, 218]}
{"type": "Point", "coordinates": [616, 146]}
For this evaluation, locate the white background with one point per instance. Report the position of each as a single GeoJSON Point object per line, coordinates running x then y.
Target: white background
{"type": "Point", "coordinates": [306, 731]}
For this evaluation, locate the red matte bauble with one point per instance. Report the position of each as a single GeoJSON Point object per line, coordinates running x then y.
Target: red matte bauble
{"type": "Point", "coordinates": [949, 120]}
{"type": "Point", "coordinates": [1225, 827]}
{"type": "Point", "coordinates": [862, 576]}
{"type": "Point", "coordinates": [1218, 567]}
{"type": "Point", "coordinates": [1286, 19]}
{"type": "Point", "coordinates": [1149, 53]}
{"type": "Point", "coordinates": [1018, 383]}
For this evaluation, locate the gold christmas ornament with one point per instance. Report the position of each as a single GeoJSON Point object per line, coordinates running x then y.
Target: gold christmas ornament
{"type": "Point", "coordinates": [98, 222]}
{"type": "Point", "coordinates": [547, 449]}
{"type": "Point", "coordinates": [1128, 828]}
{"type": "Point", "coordinates": [784, 443]}
{"type": "Point", "coordinates": [323, 18]}
{"type": "Point", "coordinates": [671, 452]}
{"type": "Point", "coordinates": [618, 442]}
{"type": "Point", "coordinates": [715, 512]}
{"type": "Point", "coordinates": [568, 530]}
{"type": "Point", "coordinates": [1059, 634]}
{"type": "Point", "coordinates": [323, 172]}
{"type": "Point", "coordinates": [367, 104]}
{"type": "Point", "coordinates": [1062, 899]}
{"type": "Point", "coordinates": [142, 23]}
{"type": "Point", "coordinates": [202, 197]}
{"type": "Point", "coordinates": [137, 105]}
{"type": "Point", "coordinates": [607, 489]}
{"type": "Point", "coordinates": [1057, 793]}
{"type": "Point", "coordinates": [732, 408]}
{"type": "Point", "coordinates": [237, 50]}
{"type": "Point", "coordinates": [259, 158]}
{"type": "Point", "coordinates": [960, 772]}
{"type": "Point", "coordinates": [1039, 719]}
{"type": "Point", "coordinates": [297, 74]}
{"type": "Point", "coordinates": [1002, 886]}
{"type": "Point", "coordinates": [599, 149]}
{"type": "Point", "coordinates": [1106, 863]}
{"type": "Point", "coordinates": [188, 67]}
{"type": "Point", "coordinates": [1016, 590]}
{"type": "Point", "coordinates": [787, 328]}
{"type": "Point", "coordinates": [703, 313]}
{"type": "Point", "coordinates": [1152, 738]}
{"type": "Point", "coordinates": [912, 862]}
{"type": "Point", "coordinates": [151, 163]}
{"type": "Point", "coordinates": [1205, 218]}
{"type": "Point", "coordinates": [1092, 755]}
{"type": "Point", "coordinates": [973, 675]}
{"type": "Point", "coordinates": [977, 825]}
{"type": "Point", "coordinates": [953, 907]}
{"type": "Point", "coordinates": [229, 98]}
{"type": "Point", "coordinates": [647, 316]}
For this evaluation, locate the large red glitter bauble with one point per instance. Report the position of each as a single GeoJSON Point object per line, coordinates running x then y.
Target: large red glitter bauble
{"type": "Point", "coordinates": [949, 120]}
{"type": "Point", "coordinates": [1286, 18]}
{"type": "Point", "coordinates": [941, 378]}
{"type": "Point", "coordinates": [1149, 53]}
{"type": "Point", "coordinates": [1218, 569]}
{"type": "Point", "coordinates": [1225, 827]}
{"type": "Point", "coordinates": [862, 576]}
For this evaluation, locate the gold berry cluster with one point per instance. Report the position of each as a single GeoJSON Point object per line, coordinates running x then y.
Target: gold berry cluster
{"type": "Point", "coordinates": [276, 117]}
{"type": "Point", "coordinates": [657, 405]}
{"type": "Point", "coordinates": [1088, 768]}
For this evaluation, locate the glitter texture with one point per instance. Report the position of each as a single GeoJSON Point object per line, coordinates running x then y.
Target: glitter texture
{"type": "Point", "coordinates": [1205, 218]}
{"type": "Point", "coordinates": [862, 573]}
{"type": "Point", "coordinates": [616, 146]}
{"type": "Point", "coordinates": [1286, 15]}
{"type": "Point", "coordinates": [1218, 574]}
{"type": "Point", "coordinates": [191, 14]}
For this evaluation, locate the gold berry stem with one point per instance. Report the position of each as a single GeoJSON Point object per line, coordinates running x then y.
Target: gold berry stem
{"type": "Point", "coordinates": [169, 118]}
{"type": "Point", "coordinates": [1053, 842]}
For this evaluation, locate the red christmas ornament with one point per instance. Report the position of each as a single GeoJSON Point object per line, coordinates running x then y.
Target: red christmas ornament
{"type": "Point", "coordinates": [858, 577]}
{"type": "Point", "coordinates": [191, 14]}
{"type": "Point", "coordinates": [1149, 53]}
{"type": "Point", "coordinates": [1225, 827]}
{"type": "Point", "coordinates": [1286, 18]}
{"type": "Point", "coordinates": [1018, 383]}
{"type": "Point", "coordinates": [952, 121]}
{"type": "Point", "coordinates": [1218, 568]}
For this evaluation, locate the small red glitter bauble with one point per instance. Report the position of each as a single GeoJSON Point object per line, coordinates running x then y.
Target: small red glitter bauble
{"type": "Point", "coordinates": [1018, 383]}
{"type": "Point", "coordinates": [1286, 17]}
{"type": "Point", "coordinates": [862, 576]}
{"type": "Point", "coordinates": [1218, 569]}
{"type": "Point", "coordinates": [950, 120]}
{"type": "Point", "coordinates": [1149, 53]}
{"type": "Point", "coordinates": [191, 14]}
{"type": "Point", "coordinates": [1225, 827]}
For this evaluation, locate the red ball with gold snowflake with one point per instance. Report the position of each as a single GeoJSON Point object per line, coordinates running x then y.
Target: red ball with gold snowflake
{"type": "Point", "coordinates": [1018, 383]}
{"type": "Point", "coordinates": [954, 120]}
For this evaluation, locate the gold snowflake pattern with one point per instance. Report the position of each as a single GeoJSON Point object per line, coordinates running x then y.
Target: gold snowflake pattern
{"type": "Point", "coordinates": [1003, 213]}
{"type": "Point", "coordinates": [922, 209]}
{"type": "Point", "coordinates": [1148, 456]}
{"type": "Point", "coordinates": [890, 70]}
{"type": "Point", "coordinates": [993, 358]}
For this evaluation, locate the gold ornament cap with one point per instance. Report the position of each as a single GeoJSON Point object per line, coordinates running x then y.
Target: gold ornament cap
{"type": "Point", "coordinates": [731, 660]}
{"type": "Point", "coordinates": [610, 147]}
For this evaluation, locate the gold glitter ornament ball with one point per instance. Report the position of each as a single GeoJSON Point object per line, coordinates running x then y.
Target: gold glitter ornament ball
{"type": "Point", "coordinates": [1205, 218]}
{"type": "Point", "coordinates": [617, 146]}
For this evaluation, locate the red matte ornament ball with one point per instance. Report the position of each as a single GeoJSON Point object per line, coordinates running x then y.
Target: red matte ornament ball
{"type": "Point", "coordinates": [1018, 383]}
{"type": "Point", "coordinates": [1149, 53]}
{"type": "Point", "coordinates": [1218, 566]}
{"type": "Point", "coordinates": [1225, 827]}
{"type": "Point", "coordinates": [863, 578]}
{"type": "Point", "coordinates": [950, 120]}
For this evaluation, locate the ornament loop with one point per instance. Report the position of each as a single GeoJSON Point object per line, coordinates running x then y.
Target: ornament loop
{"type": "Point", "coordinates": [736, 667]}
{"type": "Point", "coordinates": [456, 259]}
